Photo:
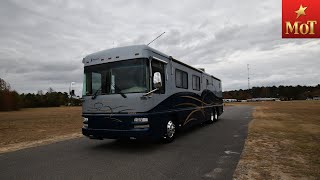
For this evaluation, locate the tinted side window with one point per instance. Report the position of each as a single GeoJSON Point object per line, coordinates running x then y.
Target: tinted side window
{"type": "Point", "coordinates": [181, 79]}
{"type": "Point", "coordinates": [195, 82]}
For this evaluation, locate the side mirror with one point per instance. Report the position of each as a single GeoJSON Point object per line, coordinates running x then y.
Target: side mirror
{"type": "Point", "coordinates": [157, 82]}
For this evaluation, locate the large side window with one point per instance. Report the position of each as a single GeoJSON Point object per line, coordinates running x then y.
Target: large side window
{"type": "Point", "coordinates": [84, 88]}
{"type": "Point", "coordinates": [181, 79]}
{"type": "Point", "coordinates": [195, 82]}
{"type": "Point", "coordinates": [93, 82]}
{"type": "Point", "coordinates": [96, 82]}
{"type": "Point", "coordinates": [158, 66]}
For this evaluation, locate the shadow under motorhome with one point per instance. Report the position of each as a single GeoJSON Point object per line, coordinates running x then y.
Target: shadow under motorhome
{"type": "Point", "coordinates": [139, 92]}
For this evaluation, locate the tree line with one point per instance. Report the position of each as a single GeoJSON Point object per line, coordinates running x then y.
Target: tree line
{"type": "Point", "coordinates": [11, 100]}
{"type": "Point", "coordinates": [281, 92]}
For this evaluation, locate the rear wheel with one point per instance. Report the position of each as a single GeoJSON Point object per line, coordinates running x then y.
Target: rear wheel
{"type": "Point", "coordinates": [216, 115]}
{"type": "Point", "coordinates": [213, 116]}
{"type": "Point", "coordinates": [170, 132]}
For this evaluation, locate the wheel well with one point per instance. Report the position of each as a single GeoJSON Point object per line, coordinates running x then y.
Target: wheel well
{"type": "Point", "coordinates": [175, 119]}
{"type": "Point", "coordinates": [215, 109]}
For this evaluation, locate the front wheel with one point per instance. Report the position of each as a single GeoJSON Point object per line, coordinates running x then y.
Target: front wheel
{"type": "Point", "coordinates": [170, 132]}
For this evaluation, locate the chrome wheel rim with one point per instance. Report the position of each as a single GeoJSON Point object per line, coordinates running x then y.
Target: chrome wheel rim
{"type": "Point", "coordinates": [212, 116]}
{"type": "Point", "coordinates": [171, 129]}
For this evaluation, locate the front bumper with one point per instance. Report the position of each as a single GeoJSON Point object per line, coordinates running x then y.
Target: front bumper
{"type": "Point", "coordinates": [115, 134]}
{"type": "Point", "coordinates": [101, 126]}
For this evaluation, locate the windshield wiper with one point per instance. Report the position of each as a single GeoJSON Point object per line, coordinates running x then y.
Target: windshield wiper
{"type": "Point", "coordinates": [95, 94]}
{"type": "Point", "coordinates": [119, 90]}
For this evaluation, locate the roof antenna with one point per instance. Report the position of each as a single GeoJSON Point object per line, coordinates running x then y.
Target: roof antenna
{"type": "Point", "coordinates": [155, 38]}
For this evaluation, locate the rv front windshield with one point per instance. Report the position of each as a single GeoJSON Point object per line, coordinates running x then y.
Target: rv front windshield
{"type": "Point", "coordinates": [127, 76]}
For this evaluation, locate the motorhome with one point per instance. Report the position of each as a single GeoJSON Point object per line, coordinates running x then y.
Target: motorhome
{"type": "Point", "coordinates": [139, 92]}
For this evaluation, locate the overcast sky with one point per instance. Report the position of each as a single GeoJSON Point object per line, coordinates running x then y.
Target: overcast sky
{"type": "Point", "coordinates": [42, 43]}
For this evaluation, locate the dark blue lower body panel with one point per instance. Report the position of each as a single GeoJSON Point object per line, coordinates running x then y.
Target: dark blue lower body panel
{"type": "Point", "coordinates": [114, 126]}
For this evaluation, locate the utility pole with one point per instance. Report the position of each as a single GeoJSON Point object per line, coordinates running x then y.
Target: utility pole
{"type": "Point", "coordinates": [248, 76]}
{"type": "Point", "coordinates": [71, 92]}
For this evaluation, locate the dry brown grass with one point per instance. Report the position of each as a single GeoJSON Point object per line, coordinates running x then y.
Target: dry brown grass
{"type": "Point", "coordinates": [283, 141]}
{"type": "Point", "coordinates": [30, 127]}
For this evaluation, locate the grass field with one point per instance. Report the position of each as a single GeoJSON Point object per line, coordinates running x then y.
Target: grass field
{"type": "Point", "coordinates": [283, 141]}
{"type": "Point", "coordinates": [30, 127]}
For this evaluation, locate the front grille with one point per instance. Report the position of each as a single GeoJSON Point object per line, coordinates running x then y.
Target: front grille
{"type": "Point", "coordinates": [108, 123]}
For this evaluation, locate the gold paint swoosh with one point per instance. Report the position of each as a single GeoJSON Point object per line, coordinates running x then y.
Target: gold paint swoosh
{"type": "Point", "coordinates": [192, 119]}
{"type": "Point", "coordinates": [191, 104]}
{"type": "Point", "coordinates": [188, 119]}
{"type": "Point", "coordinates": [201, 101]}
{"type": "Point", "coordinates": [190, 97]}
{"type": "Point", "coordinates": [199, 108]}
{"type": "Point", "coordinates": [194, 105]}
{"type": "Point", "coordinates": [115, 119]}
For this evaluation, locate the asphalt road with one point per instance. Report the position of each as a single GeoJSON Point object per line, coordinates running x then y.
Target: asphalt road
{"type": "Point", "coordinates": [207, 151]}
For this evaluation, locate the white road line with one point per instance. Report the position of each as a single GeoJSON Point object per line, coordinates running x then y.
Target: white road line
{"type": "Point", "coordinates": [214, 174]}
{"type": "Point", "coordinates": [231, 152]}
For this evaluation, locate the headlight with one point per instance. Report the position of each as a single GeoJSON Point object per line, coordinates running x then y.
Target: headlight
{"type": "Point", "coordinates": [140, 120]}
{"type": "Point", "coordinates": [85, 120]}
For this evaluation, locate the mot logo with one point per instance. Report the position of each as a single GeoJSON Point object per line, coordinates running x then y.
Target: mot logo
{"type": "Point", "coordinates": [300, 18]}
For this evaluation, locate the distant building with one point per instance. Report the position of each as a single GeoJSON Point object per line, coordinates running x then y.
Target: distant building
{"type": "Point", "coordinates": [316, 98]}
{"type": "Point", "coordinates": [262, 99]}
{"type": "Point", "coordinates": [229, 100]}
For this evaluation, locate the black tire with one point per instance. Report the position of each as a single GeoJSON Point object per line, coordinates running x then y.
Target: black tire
{"type": "Point", "coordinates": [170, 132]}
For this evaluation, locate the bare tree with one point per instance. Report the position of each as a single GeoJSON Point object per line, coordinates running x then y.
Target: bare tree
{"type": "Point", "coordinates": [4, 85]}
{"type": "Point", "coordinates": [40, 92]}
{"type": "Point", "coordinates": [50, 90]}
